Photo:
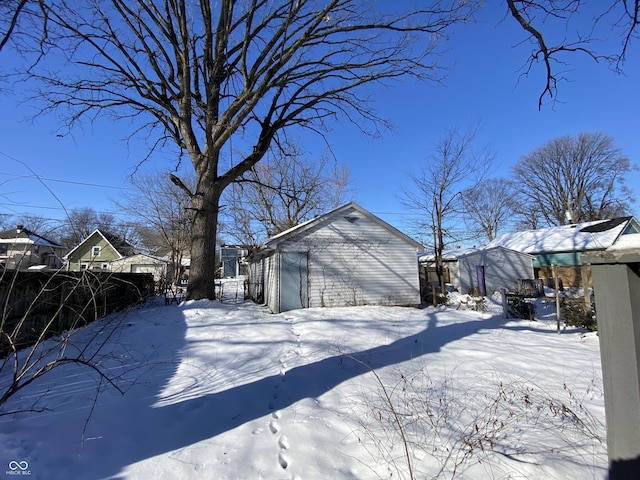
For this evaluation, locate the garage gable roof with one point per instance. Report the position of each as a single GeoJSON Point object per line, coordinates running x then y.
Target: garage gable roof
{"type": "Point", "coordinates": [344, 211]}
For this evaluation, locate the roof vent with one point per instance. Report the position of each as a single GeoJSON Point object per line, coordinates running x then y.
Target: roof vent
{"type": "Point", "coordinates": [351, 219]}
{"type": "Point", "coordinates": [19, 228]}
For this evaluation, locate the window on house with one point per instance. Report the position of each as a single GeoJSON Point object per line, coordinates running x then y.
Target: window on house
{"type": "Point", "coordinates": [83, 266]}
{"type": "Point", "coordinates": [95, 251]}
{"type": "Point", "coordinates": [36, 249]}
{"type": "Point", "coordinates": [105, 266]}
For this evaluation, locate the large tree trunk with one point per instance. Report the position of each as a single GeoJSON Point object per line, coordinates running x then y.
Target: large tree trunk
{"type": "Point", "coordinates": [205, 203]}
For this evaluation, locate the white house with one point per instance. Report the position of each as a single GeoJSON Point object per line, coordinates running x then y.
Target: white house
{"type": "Point", "coordinates": [484, 270]}
{"type": "Point", "coordinates": [20, 248]}
{"type": "Point", "coordinates": [345, 257]}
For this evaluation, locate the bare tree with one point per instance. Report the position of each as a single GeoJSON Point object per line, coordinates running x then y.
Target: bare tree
{"type": "Point", "coordinates": [40, 332]}
{"type": "Point", "coordinates": [284, 191]}
{"type": "Point", "coordinates": [81, 222]}
{"type": "Point", "coordinates": [163, 213]}
{"type": "Point", "coordinates": [453, 167]}
{"type": "Point", "coordinates": [43, 226]}
{"type": "Point", "coordinates": [6, 221]}
{"type": "Point", "coordinates": [11, 11]}
{"type": "Point", "coordinates": [556, 28]}
{"type": "Point", "coordinates": [202, 75]}
{"type": "Point", "coordinates": [574, 179]}
{"type": "Point", "coordinates": [488, 207]}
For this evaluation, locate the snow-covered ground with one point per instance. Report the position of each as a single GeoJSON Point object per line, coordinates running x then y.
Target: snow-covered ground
{"type": "Point", "coordinates": [228, 391]}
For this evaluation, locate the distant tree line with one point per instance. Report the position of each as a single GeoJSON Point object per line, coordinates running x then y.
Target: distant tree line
{"type": "Point", "coordinates": [569, 179]}
{"type": "Point", "coordinates": [154, 213]}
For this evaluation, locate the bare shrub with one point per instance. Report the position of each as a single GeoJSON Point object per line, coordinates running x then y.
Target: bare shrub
{"type": "Point", "coordinates": [576, 315]}
{"type": "Point", "coordinates": [39, 317]}
{"type": "Point", "coordinates": [428, 428]}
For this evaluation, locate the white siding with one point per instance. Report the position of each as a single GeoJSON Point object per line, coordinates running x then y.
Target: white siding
{"type": "Point", "coordinates": [502, 269]}
{"type": "Point", "coordinates": [271, 282]}
{"type": "Point", "coordinates": [256, 281]}
{"type": "Point", "coordinates": [140, 264]}
{"type": "Point", "coordinates": [355, 261]}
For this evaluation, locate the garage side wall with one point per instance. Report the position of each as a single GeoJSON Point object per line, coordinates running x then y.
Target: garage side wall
{"type": "Point", "coordinates": [264, 281]}
{"type": "Point", "coordinates": [272, 282]}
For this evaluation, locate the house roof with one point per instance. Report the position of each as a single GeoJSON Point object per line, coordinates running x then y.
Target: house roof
{"type": "Point", "coordinates": [143, 255]}
{"type": "Point", "coordinates": [447, 255]}
{"type": "Point", "coordinates": [26, 236]}
{"type": "Point", "coordinates": [457, 253]}
{"type": "Point", "coordinates": [597, 235]}
{"type": "Point", "coordinates": [272, 242]}
{"type": "Point", "coordinates": [116, 242]}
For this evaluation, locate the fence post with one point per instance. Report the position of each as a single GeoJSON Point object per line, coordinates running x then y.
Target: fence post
{"type": "Point", "coordinates": [505, 307]}
{"type": "Point", "coordinates": [586, 289]}
{"type": "Point", "coordinates": [616, 283]}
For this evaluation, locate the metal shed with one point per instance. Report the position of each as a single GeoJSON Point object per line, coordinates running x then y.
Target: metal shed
{"type": "Point", "coordinates": [489, 269]}
{"type": "Point", "coordinates": [345, 257]}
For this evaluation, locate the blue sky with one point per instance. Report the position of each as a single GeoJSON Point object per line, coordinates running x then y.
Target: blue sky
{"type": "Point", "coordinates": [89, 167]}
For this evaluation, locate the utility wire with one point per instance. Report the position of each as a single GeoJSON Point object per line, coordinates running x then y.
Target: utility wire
{"type": "Point", "coordinates": [84, 184]}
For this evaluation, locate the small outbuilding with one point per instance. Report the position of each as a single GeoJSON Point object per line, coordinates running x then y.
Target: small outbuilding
{"type": "Point", "coordinates": [481, 270]}
{"type": "Point", "coordinates": [345, 257]}
{"type": "Point", "coordinates": [142, 263]}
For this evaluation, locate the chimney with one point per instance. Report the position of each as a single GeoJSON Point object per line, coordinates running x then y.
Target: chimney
{"type": "Point", "coordinates": [19, 228]}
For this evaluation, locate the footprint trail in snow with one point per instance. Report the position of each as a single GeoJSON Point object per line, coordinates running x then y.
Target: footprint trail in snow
{"type": "Point", "coordinates": [281, 392]}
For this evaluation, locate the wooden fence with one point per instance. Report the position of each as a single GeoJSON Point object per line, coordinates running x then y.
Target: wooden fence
{"type": "Point", "coordinates": [576, 311]}
{"type": "Point", "coordinates": [37, 305]}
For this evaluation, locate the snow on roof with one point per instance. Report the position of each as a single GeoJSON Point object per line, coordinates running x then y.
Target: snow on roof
{"type": "Point", "coordinates": [139, 255]}
{"type": "Point", "coordinates": [627, 242]}
{"type": "Point", "coordinates": [596, 235]}
{"type": "Point", "coordinates": [447, 255]}
{"type": "Point", "coordinates": [458, 253]}
{"type": "Point", "coordinates": [120, 245]}
{"type": "Point", "coordinates": [25, 236]}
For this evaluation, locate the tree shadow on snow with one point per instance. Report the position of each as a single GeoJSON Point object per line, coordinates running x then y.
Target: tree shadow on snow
{"type": "Point", "coordinates": [153, 431]}
{"type": "Point", "coordinates": [211, 415]}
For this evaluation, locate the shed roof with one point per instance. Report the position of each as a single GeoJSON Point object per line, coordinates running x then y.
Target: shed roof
{"type": "Point", "coordinates": [455, 254]}
{"type": "Point", "coordinates": [596, 235]}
